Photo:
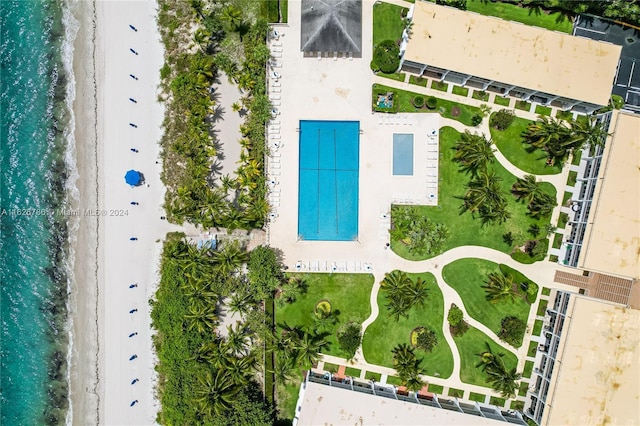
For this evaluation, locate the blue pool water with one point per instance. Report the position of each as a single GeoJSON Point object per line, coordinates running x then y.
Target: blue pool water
{"type": "Point", "coordinates": [328, 180]}
{"type": "Point", "coordinates": [402, 154]}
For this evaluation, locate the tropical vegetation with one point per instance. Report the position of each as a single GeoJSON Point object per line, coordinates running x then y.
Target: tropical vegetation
{"type": "Point", "coordinates": [512, 330]}
{"type": "Point", "coordinates": [386, 57]}
{"type": "Point", "coordinates": [501, 378]}
{"type": "Point", "coordinates": [559, 139]}
{"type": "Point", "coordinates": [207, 375]}
{"type": "Point", "coordinates": [408, 367]}
{"type": "Point", "coordinates": [402, 293]}
{"type": "Point", "coordinates": [417, 232]}
{"type": "Point", "coordinates": [200, 41]}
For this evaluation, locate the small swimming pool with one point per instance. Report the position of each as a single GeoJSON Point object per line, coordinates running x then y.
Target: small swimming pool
{"type": "Point", "coordinates": [328, 180]}
{"type": "Point", "coordinates": [402, 154]}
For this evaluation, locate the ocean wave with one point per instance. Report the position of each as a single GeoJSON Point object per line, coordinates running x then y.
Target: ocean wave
{"type": "Point", "coordinates": [71, 26]}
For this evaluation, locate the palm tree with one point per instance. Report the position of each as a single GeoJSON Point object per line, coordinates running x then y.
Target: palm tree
{"type": "Point", "coordinates": [240, 301]}
{"type": "Point", "coordinates": [474, 153]}
{"type": "Point", "coordinates": [395, 282]}
{"type": "Point", "coordinates": [201, 318]}
{"type": "Point", "coordinates": [413, 382]}
{"type": "Point", "coordinates": [416, 292]}
{"type": "Point", "coordinates": [216, 392]}
{"type": "Point", "coordinates": [504, 381]}
{"type": "Point", "coordinates": [398, 307]}
{"type": "Point", "coordinates": [236, 340]}
{"type": "Point", "coordinates": [484, 196]}
{"type": "Point", "coordinates": [309, 348]}
{"type": "Point", "coordinates": [239, 369]}
{"type": "Point", "coordinates": [284, 369]}
{"type": "Point", "coordinates": [499, 287]}
{"type": "Point", "coordinates": [590, 131]}
{"type": "Point", "coordinates": [526, 188]}
{"type": "Point", "coordinates": [228, 259]}
{"type": "Point", "coordinates": [232, 16]}
{"type": "Point", "coordinates": [542, 205]}
{"type": "Point", "coordinates": [404, 359]}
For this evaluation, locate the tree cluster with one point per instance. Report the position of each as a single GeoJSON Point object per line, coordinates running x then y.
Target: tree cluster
{"type": "Point", "coordinates": [426, 340]}
{"type": "Point", "coordinates": [501, 380]}
{"type": "Point", "coordinates": [402, 293]}
{"type": "Point", "coordinates": [408, 366]}
{"type": "Point", "coordinates": [502, 119]}
{"type": "Point", "coordinates": [416, 231]}
{"type": "Point", "coordinates": [203, 376]}
{"type": "Point", "coordinates": [457, 325]}
{"type": "Point", "coordinates": [386, 57]}
{"type": "Point", "coordinates": [559, 139]}
{"type": "Point", "coordinates": [512, 330]}
{"type": "Point", "coordinates": [349, 338]}
{"type": "Point", "coordinates": [539, 202]}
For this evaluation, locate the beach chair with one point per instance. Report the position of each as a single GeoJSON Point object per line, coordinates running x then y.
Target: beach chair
{"type": "Point", "coordinates": [275, 103]}
{"type": "Point", "coordinates": [275, 166]}
{"type": "Point", "coordinates": [274, 172]}
{"type": "Point", "coordinates": [432, 149]}
{"type": "Point", "coordinates": [323, 265]}
{"type": "Point", "coordinates": [274, 97]}
{"type": "Point", "coordinates": [275, 160]}
{"type": "Point", "coordinates": [274, 190]}
{"type": "Point", "coordinates": [431, 165]}
{"type": "Point", "coordinates": [276, 55]}
{"type": "Point", "coordinates": [274, 154]}
{"type": "Point", "coordinates": [432, 185]}
{"type": "Point", "coordinates": [432, 157]}
{"type": "Point", "coordinates": [276, 84]}
{"type": "Point", "coordinates": [276, 43]}
{"type": "Point", "coordinates": [314, 266]}
{"type": "Point", "coordinates": [275, 90]}
{"type": "Point", "coordinates": [351, 56]}
{"type": "Point", "coordinates": [275, 122]}
{"type": "Point", "coordinates": [335, 56]}
{"type": "Point", "coordinates": [358, 266]}
{"type": "Point", "coordinates": [274, 132]}
{"type": "Point", "coordinates": [319, 56]}
{"type": "Point", "coordinates": [276, 49]}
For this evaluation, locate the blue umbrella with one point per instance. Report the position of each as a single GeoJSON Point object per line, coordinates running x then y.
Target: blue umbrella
{"type": "Point", "coordinates": [132, 177]}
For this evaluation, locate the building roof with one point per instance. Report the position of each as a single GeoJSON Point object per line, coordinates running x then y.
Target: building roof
{"type": "Point", "coordinates": [596, 379]}
{"type": "Point", "coordinates": [326, 405]}
{"type": "Point", "coordinates": [513, 53]}
{"type": "Point", "coordinates": [612, 242]}
{"type": "Point", "coordinates": [627, 79]}
{"type": "Point", "coordinates": [331, 26]}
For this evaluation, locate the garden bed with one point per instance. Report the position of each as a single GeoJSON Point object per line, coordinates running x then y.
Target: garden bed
{"type": "Point", "coordinates": [500, 100]}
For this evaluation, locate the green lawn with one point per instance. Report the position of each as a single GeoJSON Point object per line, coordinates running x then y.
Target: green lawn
{"type": "Point", "coordinates": [439, 85]}
{"type": "Point", "coordinates": [287, 397]}
{"type": "Point", "coordinates": [353, 372]}
{"type": "Point", "coordinates": [533, 348]}
{"type": "Point", "coordinates": [470, 345]}
{"type": "Point", "coordinates": [480, 95]}
{"type": "Point", "coordinates": [393, 380]}
{"type": "Point", "coordinates": [523, 105]}
{"type": "Point", "coordinates": [511, 145]}
{"type": "Point", "coordinates": [370, 375]}
{"type": "Point", "coordinates": [524, 386]}
{"type": "Point", "coordinates": [385, 333]}
{"type": "Point", "coordinates": [528, 369]}
{"type": "Point", "coordinates": [564, 115]}
{"type": "Point", "coordinates": [499, 100]}
{"type": "Point", "coordinates": [557, 240]}
{"type": "Point", "coordinates": [347, 293]}
{"type": "Point", "coordinates": [464, 229]}
{"type": "Point", "coordinates": [553, 258]}
{"type": "Point", "coordinates": [577, 155]}
{"type": "Point", "coordinates": [419, 81]}
{"type": "Point", "coordinates": [567, 196]}
{"type": "Point", "coordinates": [462, 91]}
{"type": "Point", "coordinates": [494, 400]}
{"type": "Point", "coordinates": [456, 393]}
{"type": "Point", "coordinates": [387, 23]}
{"type": "Point", "coordinates": [512, 12]}
{"type": "Point", "coordinates": [445, 107]}
{"type": "Point", "coordinates": [516, 405]}
{"type": "Point", "coordinates": [398, 76]}
{"type": "Point", "coordinates": [433, 388]}
{"type": "Point", "coordinates": [573, 178]}
{"type": "Point", "coordinates": [331, 368]}
{"type": "Point", "coordinates": [543, 110]}
{"type": "Point", "coordinates": [562, 220]}
{"type": "Point", "coordinates": [467, 276]}
{"type": "Point", "coordinates": [546, 291]}
{"type": "Point", "coordinates": [537, 328]}
{"type": "Point", "coordinates": [542, 307]}
{"type": "Point", "coordinates": [477, 397]}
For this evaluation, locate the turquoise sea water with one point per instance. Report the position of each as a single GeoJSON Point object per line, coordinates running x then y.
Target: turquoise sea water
{"type": "Point", "coordinates": [33, 243]}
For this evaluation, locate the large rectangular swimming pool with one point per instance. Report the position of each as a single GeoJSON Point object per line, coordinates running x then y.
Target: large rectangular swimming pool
{"type": "Point", "coordinates": [328, 180]}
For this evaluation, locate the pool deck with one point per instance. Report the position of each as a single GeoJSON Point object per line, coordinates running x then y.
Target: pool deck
{"type": "Point", "coordinates": [340, 89]}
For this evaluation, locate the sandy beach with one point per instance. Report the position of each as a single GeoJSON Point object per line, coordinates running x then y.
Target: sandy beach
{"type": "Point", "coordinates": [112, 362]}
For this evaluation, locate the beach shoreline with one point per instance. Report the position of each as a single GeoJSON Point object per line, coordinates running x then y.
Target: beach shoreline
{"type": "Point", "coordinates": [84, 396]}
{"type": "Point", "coordinates": [111, 320]}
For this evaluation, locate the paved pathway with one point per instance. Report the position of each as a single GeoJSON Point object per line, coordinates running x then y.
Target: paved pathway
{"type": "Point", "coordinates": [540, 272]}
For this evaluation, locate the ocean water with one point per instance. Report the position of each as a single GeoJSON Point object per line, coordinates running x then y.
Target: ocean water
{"type": "Point", "coordinates": [36, 88]}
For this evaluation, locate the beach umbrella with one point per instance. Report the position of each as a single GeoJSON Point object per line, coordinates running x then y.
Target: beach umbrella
{"type": "Point", "coordinates": [132, 178]}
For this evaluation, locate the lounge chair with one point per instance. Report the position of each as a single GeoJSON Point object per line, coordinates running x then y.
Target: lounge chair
{"type": "Point", "coordinates": [274, 172]}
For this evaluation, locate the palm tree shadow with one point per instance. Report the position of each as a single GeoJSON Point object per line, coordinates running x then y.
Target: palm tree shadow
{"type": "Point", "coordinates": [218, 114]}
